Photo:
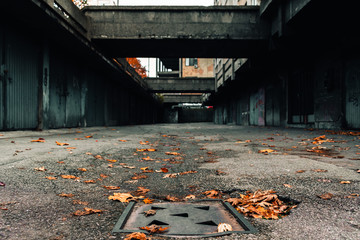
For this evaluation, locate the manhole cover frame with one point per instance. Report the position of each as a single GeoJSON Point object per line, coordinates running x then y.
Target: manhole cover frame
{"type": "Point", "coordinates": [245, 224]}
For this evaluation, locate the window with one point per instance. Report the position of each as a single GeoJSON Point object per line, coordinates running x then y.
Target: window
{"type": "Point", "coordinates": [191, 62]}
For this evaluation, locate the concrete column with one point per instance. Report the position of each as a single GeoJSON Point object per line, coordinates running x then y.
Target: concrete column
{"type": "Point", "coordinates": [44, 83]}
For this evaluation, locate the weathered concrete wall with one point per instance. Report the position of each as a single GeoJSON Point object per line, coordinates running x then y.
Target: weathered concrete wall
{"type": "Point", "coordinates": [204, 68]}
{"type": "Point", "coordinates": [178, 85]}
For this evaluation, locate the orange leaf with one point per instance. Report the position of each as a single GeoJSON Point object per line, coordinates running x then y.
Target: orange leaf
{"type": "Point", "coordinates": [39, 140]}
{"type": "Point", "coordinates": [122, 140]}
{"type": "Point", "coordinates": [51, 178]}
{"type": "Point", "coordinates": [61, 144]}
{"type": "Point", "coordinates": [122, 197]}
{"type": "Point", "coordinates": [138, 176]}
{"type": "Point", "coordinates": [90, 181]}
{"type": "Point", "coordinates": [144, 143]}
{"type": "Point", "coordinates": [136, 236]}
{"type": "Point", "coordinates": [98, 157]}
{"type": "Point", "coordinates": [111, 160]}
{"type": "Point", "coordinates": [70, 195]}
{"type": "Point", "coordinates": [69, 148]}
{"type": "Point", "coordinates": [172, 153]}
{"type": "Point", "coordinates": [82, 169]}
{"type": "Point", "coordinates": [111, 187]}
{"type": "Point", "coordinates": [300, 171]}
{"type": "Point", "coordinates": [212, 194]}
{"type": "Point", "coordinates": [146, 150]}
{"type": "Point", "coordinates": [69, 177]}
{"type": "Point", "coordinates": [148, 158]}
{"type": "Point", "coordinates": [80, 202]}
{"type": "Point", "coordinates": [154, 229]}
{"type": "Point", "coordinates": [164, 170]}
{"type": "Point", "coordinates": [326, 196]}
{"type": "Point", "coordinates": [88, 136]}
{"type": "Point", "coordinates": [266, 151]}
{"type": "Point", "coordinates": [148, 201]}
{"type": "Point", "coordinates": [172, 199]}
{"type": "Point", "coordinates": [40, 169]}
{"type": "Point", "coordinates": [287, 185]}
{"type": "Point", "coordinates": [345, 182]}
{"type": "Point", "coordinates": [87, 211]}
{"type": "Point", "coordinates": [103, 176]}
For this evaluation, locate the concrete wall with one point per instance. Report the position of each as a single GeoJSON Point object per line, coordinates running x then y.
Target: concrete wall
{"type": "Point", "coordinates": [204, 68]}
{"type": "Point", "coordinates": [195, 115]}
{"type": "Point", "coordinates": [55, 80]}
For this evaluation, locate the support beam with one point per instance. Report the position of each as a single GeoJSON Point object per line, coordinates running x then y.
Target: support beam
{"type": "Point", "coordinates": [183, 99]}
{"type": "Point", "coordinates": [187, 31]}
{"type": "Point", "coordinates": [181, 85]}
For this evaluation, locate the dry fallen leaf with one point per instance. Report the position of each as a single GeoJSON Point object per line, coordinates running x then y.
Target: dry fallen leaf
{"type": "Point", "coordinates": [111, 187]}
{"type": "Point", "coordinates": [130, 167]}
{"type": "Point", "coordinates": [39, 140]}
{"type": "Point", "coordinates": [218, 172]}
{"type": "Point", "coordinates": [212, 194]}
{"type": "Point", "coordinates": [146, 150]}
{"type": "Point", "coordinates": [190, 197]}
{"type": "Point", "coordinates": [122, 197]}
{"type": "Point", "coordinates": [111, 160]}
{"type": "Point", "coordinates": [61, 144]}
{"type": "Point", "coordinates": [172, 199]}
{"type": "Point", "coordinates": [122, 140]}
{"type": "Point", "coordinates": [172, 153]}
{"type": "Point", "coordinates": [103, 175]}
{"type": "Point", "coordinates": [224, 227]}
{"type": "Point", "coordinates": [87, 212]}
{"type": "Point", "coordinates": [300, 171]}
{"type": "Point", "coordinates": [319, 170]}
{"type": "Point", "coordinates": [69, 177]}
{"type": "Point", "coordinates": [266, 151]}
{"type": "Point", "coordinates": [70, 148]}
{"type": "Point", "coordinates": [164, 170]}
{"type": "Point", "coordinates": [148, 201]}
{"type": "Point", "coordinates": [80, 202]}
{"type": "Point", "coordinates": [138, 176]}
{"type": "Point", "coordinates": [150, 213]}
{"type": "Point", "coordinates": [51, 178]}
{"type": "Point", "coordinates": [69, 195]}
{"type": "Point", "coordinates": [90, 181]}
{"type": "Point", "coordinates": [136, 236]}
{"type": "Point", "coordinates": [345, 182]}
{"type": "Point", "coordinates": [140, 191]}
{"type": "Point", "coordinates": [148, 158]}
{"type": "Point", "coordinates": [170, 175]}
{"type": "Point", "coordinates": [326, 196]}
{"type": "Point", "coordinates": [353, 195]}
{"type": "Point", "coordinates": [287, 185]}
{"type": "Point", "coordinates": [88, 136]}
{"type": "Point", "coordinates": [82, 169]}
{"type": "Point", "coordinates": [98, 157]}
{"type": "Point", "coordinates": [40, 169]}
{"type": "Point", "coordinates": [144, 143]}
{"type": "Point", "coordinates": [154, 229]}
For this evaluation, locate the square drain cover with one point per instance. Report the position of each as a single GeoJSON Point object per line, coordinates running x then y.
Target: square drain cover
{"type": "Point", "coordinates": [199, 218]}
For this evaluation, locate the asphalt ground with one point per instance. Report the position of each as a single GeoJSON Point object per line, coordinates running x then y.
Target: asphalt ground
{"type": "Point", "coordinates": [31, 208]}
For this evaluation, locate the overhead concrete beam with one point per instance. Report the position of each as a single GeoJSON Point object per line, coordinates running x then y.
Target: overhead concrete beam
{"type": "Point", "coordinates": [182, 99]}
{"type": "Point", "coordinates": [181, 85]}
{"type": "Point", "coordinates": [178, 31]}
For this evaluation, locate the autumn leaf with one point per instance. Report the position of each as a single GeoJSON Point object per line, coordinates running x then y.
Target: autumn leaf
{"type": "Point", "coordinates": [218, 172]}
{"type": "Point", "coordinates": [51, 178]}
{"type": "Point", "coordinates": [70, 148]}
{"type": "Point", "coordinates": [90, 181]}
{"type": "Point", "coordinates": [146, 150]}
{"type": "Point", "coordinates": [234, 201]}
{"type": "Point", "coordinates": [287, 185]}
{"type": "Point", "coordinates": [41, 169]}
{"type": "Point", "coordinates": [150, 213]}
{"type": "Point", "coordinates": [87, 212]}
{"type": "Point", "coordinates": [345, 182]}
{"type": "Point", "coordinates": [148, 158]}
{"type": "Point", "coordinates": [82, 169]}
{"type": "Point", "coordinates": [69, 195]}
{"type": "Point", "coordinates": [61, 144]}
{"type": "Point", "coordinates": [103, 175]}
{"type": "Point", "coordinates": [144, 143]}
{"type": "Point", "coordinates": [122, 140]}
{"type": "Point", "coordinates": [326, 196]}
{"type": "Point", "coordinates": [164, 170]}
{"type": "Point", "coordinates": [224, 227]}
{"type": "Point", "coordinates": [154, 229]}
{"type": "Point", "coordinates": [300, 171]}
{"type": "Point", "coordinates": [122, 197]}
{"type": "Point", "coordinates": [146, 170]}
{"type": "Point", "coordinates": [266, 151]}
{"type": "Point", "coordinates": [69, 177]}
{"type": "Point", "coordinates": [172, 175]}
{"type": "Point", "coordinates": [172, 199]}
{"type": "Point", "coordinates": [136, 236]}
{"type": "Point", "coordinates": [138, 176]}
{"type": "Point", "coordinates": [111, 160]}
{"type": "Point", "coordinates": [140, 191]}
{"type": "Point", "coordinates": [39, 140]}
{"type": "Point", "coordinates": [88, 153]}
{"type": "Point", "coordinates": [111, 187]}
{"type": "Point", "coordinates": [319, 170]}
{"type": "Point", "coordinates": [148, 201]}
{"type": "Point", "coordinates": [172, 153]}
{"type": "Point", "coordinates": [80, 202]}
{"type": "Point", "coordinates": [187, 172]}
{"type": "Point", "coordinates": [189, 197]}
{"type": "Point", "coordinates": [130, 167]}
{"type": "Point", "coordinates": [89, 136]}
{"type": "Point", "coordinates": [98, 157]}
{"type": "Point", "coordinates": [212, 194]}
{"type": "Point", "coordinates": [2, 184]}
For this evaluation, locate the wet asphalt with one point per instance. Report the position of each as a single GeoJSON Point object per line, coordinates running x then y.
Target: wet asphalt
{"type": "Point", "coordinates": [31, 208]}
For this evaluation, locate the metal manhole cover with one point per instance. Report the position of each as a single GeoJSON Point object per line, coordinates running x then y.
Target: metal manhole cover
{"type": "Point", "coordinates": [199, 218]}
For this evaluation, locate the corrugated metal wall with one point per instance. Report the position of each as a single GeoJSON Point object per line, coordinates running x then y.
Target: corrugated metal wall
{"type": "Point", "coordinates": [2, 53]}
{"type": "Point", "coordinates": [23, 66]}
{"type": "Point", "coordinates": [352, 100]}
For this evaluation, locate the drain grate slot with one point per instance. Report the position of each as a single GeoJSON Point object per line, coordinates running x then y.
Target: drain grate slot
{"type": "Point", "coordinates": [157, 208]}
{"type": "Point", "coordinates": [209, 223]}
{"type": "Point", "coordinates": [157, 223]}
{"type": "Point", "coordinates": [180, 215]}
{"type": "Point", "coordinates": [206, 208]}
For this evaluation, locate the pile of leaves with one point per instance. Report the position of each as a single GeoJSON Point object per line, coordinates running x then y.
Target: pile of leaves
{"type": "Point", "coordinates": [261, 204]}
